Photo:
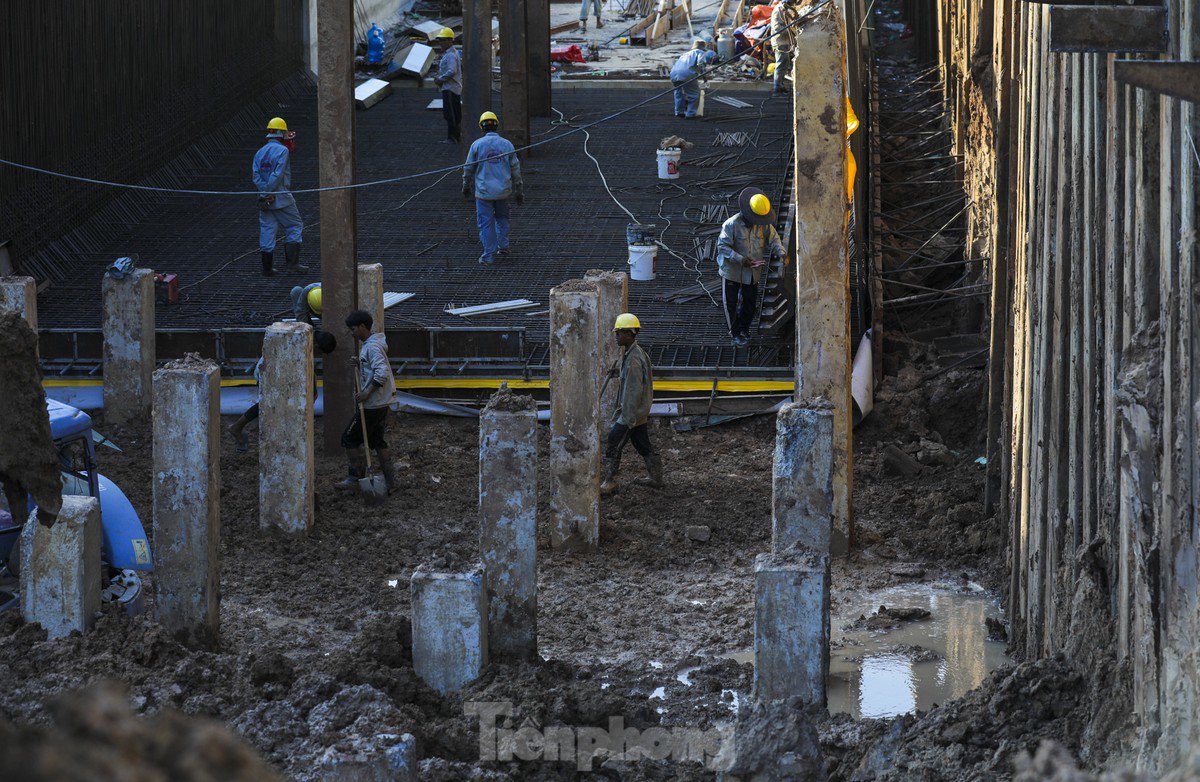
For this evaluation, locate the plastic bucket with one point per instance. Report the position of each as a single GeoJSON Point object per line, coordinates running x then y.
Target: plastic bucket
{"type": "Point", "coordinates": [668, 163]}
{"type": "Point", "coordinates": [639, 233]}
{"type": "Point", "coordinates": [642, 261]}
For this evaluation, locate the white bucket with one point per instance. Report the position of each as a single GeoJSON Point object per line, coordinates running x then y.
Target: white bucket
{"type": "Point", "coordinates": [642, 261]}
{"type": "Point", "coordinates": [668, 163]}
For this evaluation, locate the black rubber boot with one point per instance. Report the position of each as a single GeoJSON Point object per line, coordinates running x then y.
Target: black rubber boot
{"type": "Point", "coordinates": [268, 259]}
{"type": "Point", "coordinates": [385, 466]}
{"type": "Point", "coordinates": [608, 477]}
{"type": "Point", "coordinates": [654, 467]}
{"type": "Point", "coordinates": [291, 256]}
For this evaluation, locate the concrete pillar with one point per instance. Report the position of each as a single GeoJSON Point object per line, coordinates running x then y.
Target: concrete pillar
{"type": "Point", "coordinates": [508, 521]}
{"type": "Point", "coordinates": [128, 327]}
{"type": "Point", "coordinates": [574, 410]}
{"type": "Point", "coordinates": [60, 568]}
{"type": "Point", "coordinates": [370, 292]}
{"type": "Point", "coordinates": [449, 627]}
{"type": "Point", "coordinates": [614, 299]}
{"type": "Point", "coordinates": [19, 294]}
{"type": "Point", "coordinates": [823, 350]}
{"type": "Point", "coordinates": [187, 498]}
{"type": "Point", "coordinates": [791, 626]}
{"type": "Point", "coordinates": [285, 429]}
{"type": "Point", "coordinates": [802, 498]}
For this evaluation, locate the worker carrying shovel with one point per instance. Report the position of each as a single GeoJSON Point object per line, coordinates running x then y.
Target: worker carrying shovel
{"type": "Point", "coordinates": [634, 395]}
{"type": "Point", "coordinates": [376, 391]}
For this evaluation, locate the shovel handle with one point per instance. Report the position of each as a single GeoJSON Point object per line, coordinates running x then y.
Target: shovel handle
{"type": "Point", "coordinates": [362, 420]}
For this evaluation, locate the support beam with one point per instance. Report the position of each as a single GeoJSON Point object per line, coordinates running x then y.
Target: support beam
{"type": "Point", "coordinates": [613, 288]}
{"type": "Point", "coordinates": [791, 626]}
{"type": "Point", "coordinates": [1176, 79]}
{"type": "Point", "coordinates": [508, 522]}
{"type": "Point", "coordinates": [128, 327]}
{"type": "Point", "coordinates": [477, 65]}
{"type": "Point", "coordinates": [60, 568]}
{"type": "Point", "coordinates": [822, 272]}
{"type": "Point", "coordinates": [187, 499]}
{"type": "Point", "coordinates": [514, 74]}
{"type": "Point", "coordinates": [339, 221]}
{"type": "Point", "coordinates": [19, 294]}
{"type": "Point", "coordinates": [370, 293]}
{"type": "Point", "coordinates": [449, 627]}
{"type": "Point", "coordinates": [286, 459]}
{"type": "Point", "coordinates": [574, 410]}
{"type": "Point", "coordinates": [802, 499]}
{"type": "Point", "coordinates": [1100, 28]}
{"type": "Point", "coordinates": [537, 58]}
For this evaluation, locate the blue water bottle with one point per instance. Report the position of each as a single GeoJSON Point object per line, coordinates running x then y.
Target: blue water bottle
{"type": "Point", "coordinates": [374, 45]}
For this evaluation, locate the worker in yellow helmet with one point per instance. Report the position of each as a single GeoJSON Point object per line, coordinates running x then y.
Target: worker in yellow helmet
{"type": "Point", "coordinates": [493, 173]}
{"type": "Point", "coordinates": [272, 175]}
{"type": "Point", "coordinates": [449, 81]}
{"type": "Point", "coordinates": [306, 302]}
{"type": "Point", "coordinates": [747, 242]}
{"type": "Point", "coordinates": [634, 395]}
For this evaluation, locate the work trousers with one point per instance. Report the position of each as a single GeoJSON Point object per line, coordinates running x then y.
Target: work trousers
{"type": "Point", "coordinates": [687, 98]}
{"type": "Point", "coordinates": [783, 66]}
{"type": "Point", "coordinates": [620, 434]}
{"type": "Point", "coordinates": [376, 418]}
{"type": "Point", "coordinates": [492, 218]}
{"type": "Point", "coordinates": [452, 111]}
{"type": "Point", "coordinates": [270, 221]}
{"type": "Point", "coordinates": [741, 299]}
{"type": "Point", "coordinates": [583, 8]}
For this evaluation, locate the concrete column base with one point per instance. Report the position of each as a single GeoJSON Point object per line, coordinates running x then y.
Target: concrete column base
{"type": "Point", "coordinates": [286, 472]}
{"type": "Point", "coordinates": [449, 627]}
{"type": "Point", "coordinates": [60, 568]}
{"type": "Point", "coordinates": [802, 498]}
{"type": "Point", "coordinates": [370, 292]}
{"type": "Point", "coordinates": [127, 321]}
{"type": "Point", "coordinates": [613, 288]}
{"type": "Point", "coordinates": [19, 294]}
{"type": "Point", "coordinates": [791, 626]}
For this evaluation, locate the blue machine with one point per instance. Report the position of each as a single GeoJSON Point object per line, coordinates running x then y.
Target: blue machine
{"type": "Point", "coordinates": [124, 547]}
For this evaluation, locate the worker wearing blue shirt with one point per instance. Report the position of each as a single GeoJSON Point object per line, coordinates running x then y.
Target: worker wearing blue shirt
{"type": "Point", "coordinates": [272, 175]}
{"type": "Point", "coordinates": [493, 172]}
{"type": "Point", "coordinates": [690, 65]}
{"type": "Point", "coordinates": [449, 80]}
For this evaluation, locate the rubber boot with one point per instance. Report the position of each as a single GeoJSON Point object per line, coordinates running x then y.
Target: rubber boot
{"type": "Point", "coordinates": [583, 25]}
{"type": "Point", "coordinates": [291, 255]}
{"type": "Point", "coordinates": [608, 476]}
{"type": "Point", "coordinates": [268, 259]}
{"type": "Point", "coordinates": [654, 467]}
{"type": "Point", "coordinates": [385, 466]}
{"type": "Point", "coordinates": [599, 23]}
{"type": "Point", "coordinates": [355, 469]}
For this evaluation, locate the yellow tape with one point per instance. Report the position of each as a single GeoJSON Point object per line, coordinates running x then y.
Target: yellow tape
{"type": "Point", "coordinates": [735, 386]}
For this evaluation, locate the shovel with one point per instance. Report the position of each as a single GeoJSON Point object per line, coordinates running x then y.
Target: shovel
{"type": "Point", "coordinates": [373, 486]}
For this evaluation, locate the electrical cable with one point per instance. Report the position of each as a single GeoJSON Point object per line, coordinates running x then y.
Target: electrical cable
{"type": "Point", "coordinates": [392, 180]}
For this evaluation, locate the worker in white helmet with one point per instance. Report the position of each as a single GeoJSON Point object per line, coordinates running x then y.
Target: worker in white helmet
{"type": "Point", "coordinates": [272, 176]}
{"type": "Point", "coordinates": [634, 396]}
{"type": "Point", "coordinates": [747, 242]}
{"type": "Point", "coordinates": [449, 80]}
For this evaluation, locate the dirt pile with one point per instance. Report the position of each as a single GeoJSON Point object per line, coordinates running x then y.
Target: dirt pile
{"type": "Point", "coordinates": [27, 455]}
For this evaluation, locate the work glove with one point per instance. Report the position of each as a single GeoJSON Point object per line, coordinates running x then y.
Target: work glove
{"type": "Point", "coordinates": [520, 198]}
{"type": "Point", "coordinates": [264, 202]}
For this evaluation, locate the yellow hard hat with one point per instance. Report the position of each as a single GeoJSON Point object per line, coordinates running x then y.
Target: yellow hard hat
{"type": "Point", "coordinates": [627, 320]}
{"type": "Point", "coordinates": [771, 68]}
{"type": "Point", "coordinates": [277, 123]}
{"type": "Point", "coordinates": [445, 32]}
{"type": "Point", "coordinates": [760, 205]}
{"type": "Point", "coordinates": [488, 116]}
{"type": "Point", "coordinates": [314, 301]}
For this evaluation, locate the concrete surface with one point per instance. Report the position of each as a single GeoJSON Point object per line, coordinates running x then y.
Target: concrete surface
{"type": "Point", "coordinates": [19, 294]}
{"type": "Point", "coordinates": [791, 627]}
{"type": "Point", "coordinates": [286, 456]}
{"type": "Point", "coordinates": [370, 293]}
{"type": "Point", "coordinates": [449, 627]}
{"type": "Point", "coordinates": [60, 569]}
{"type": "Point", "coordinates": [802, 488]}
{"type": "Point", "coordinates": [128, 328]}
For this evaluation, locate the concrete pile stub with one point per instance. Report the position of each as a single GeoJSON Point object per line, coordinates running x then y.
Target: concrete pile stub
{"type": "Point", "coordinates": [19, 294]}
{"type": "Point", "coordinates": [127, 322]}
{"type": "Point", "coordinates": [370, 292]}
{"type": "Point", "coordinates": [286, 474]}
{"type": "Point", "coordinates": [508, 521]}
{"type": "Point", "coordinates": [60, 568]}
{"type": "Point", "coordinates": [613, 288]}
{"type": "Point", "coordinates": [389, 758]}
{"type": "Point", "coordinates": [187, 498]}
{"type": "Point", "coordinates": [574, 415]}
{"type": "Point", "coordinates": [791, 626]}
{"type": "Point", "coordinates": [802, 497]}
{"type": "Point", "coordinates": [449, 626]}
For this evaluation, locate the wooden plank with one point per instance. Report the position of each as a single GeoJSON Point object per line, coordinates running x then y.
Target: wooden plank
{"type": "Point", "coordinates": [1164, 77]}
{"type": "Point", "coordinates": [1097, 28]}
{"type": "Point", "coordinates": [720, 16]}
{"type": "Point", "coordinates": [1112, 308]}
{"type": "Point", "coordinates": [559, 29]}
{"type": "Point", "coordinates": [1075, 253]}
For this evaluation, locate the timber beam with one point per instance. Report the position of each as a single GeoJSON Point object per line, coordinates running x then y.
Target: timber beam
{"type": "Point", "coordinates": [1176, 79]}
{"type": "Point", "coordinates": [1106, 28]}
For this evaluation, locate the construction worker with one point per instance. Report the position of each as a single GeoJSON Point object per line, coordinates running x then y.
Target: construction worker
{"type": "Point", "coordinates": [783, 41]}
{"type": "Point", "coordinates": [493, 173]}
{"type": "Point", "coordinates": [272, 175]}
{"type": "Point", "coordinates": [323, 341]}
{"type": "Point", "coordinates": [634, 395]}
{"type": "Point", "coordinates": [306, 302]}
{"type": "Point", "coordinates": [449, 80]}
{"type": "Point", "coordinates": [376, 391]}
{"type": "Point", "coordinates": [683, 75]}
{"type": "Point", "coordinates": [583, 14]}
{"type": "Point", "coordinates": [747, 241]}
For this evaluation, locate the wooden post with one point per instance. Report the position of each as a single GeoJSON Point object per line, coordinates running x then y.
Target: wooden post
{"type": "Point", "coordinates": [339, 221]}
{"type": "Point", "coordinates": [822, 272]}
{"type": "Point", "coordinates": [514, 74]}
{"type": "Point", "coordinates": [477, 66]}
{"type": "Point", "coordinates": [537, 59]}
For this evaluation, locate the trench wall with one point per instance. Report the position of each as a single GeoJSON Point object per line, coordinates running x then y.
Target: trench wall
{"type": "Point", "coordinates": [1085, 201]}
